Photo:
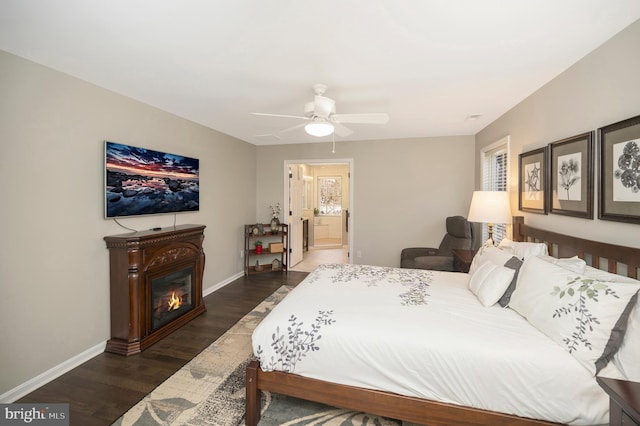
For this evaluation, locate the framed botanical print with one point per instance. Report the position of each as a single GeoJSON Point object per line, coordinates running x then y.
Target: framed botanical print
{"type": "Point", "coordinates": [619, 171]}
{"type": "Point", "coordinates": [532, 181]}
{"type": "Point", "coordinates": [571, 177]}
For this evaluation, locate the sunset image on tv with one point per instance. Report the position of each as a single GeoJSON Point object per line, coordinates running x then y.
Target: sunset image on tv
{"type": "Point", "coordinates": [141, 181]}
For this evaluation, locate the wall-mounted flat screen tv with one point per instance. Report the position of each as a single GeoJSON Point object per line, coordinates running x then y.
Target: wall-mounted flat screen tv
{"type": "Point", "coordinates": [141, 181]}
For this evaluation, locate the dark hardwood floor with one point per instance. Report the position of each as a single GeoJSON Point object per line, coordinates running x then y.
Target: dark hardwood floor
{"type": "Point", "coordinates": [105, 387]}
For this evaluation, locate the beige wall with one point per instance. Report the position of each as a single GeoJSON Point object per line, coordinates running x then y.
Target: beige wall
{"type": "Point", "coordinates": [54, 271]}
{"type": "Point", "coordinates": [601, 89]}
{"type": "Point", "coordinates": [402, 189]}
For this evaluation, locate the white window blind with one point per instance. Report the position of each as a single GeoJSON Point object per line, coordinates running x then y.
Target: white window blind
{"type": "Point", "coordinates": [495, 172]}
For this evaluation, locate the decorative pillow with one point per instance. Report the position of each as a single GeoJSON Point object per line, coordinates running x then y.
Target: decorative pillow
{"type": "Point", "coordinates": [574, 264]}
{"type": "Point", "coordinates": [585, 316]}
{"type": "Point", "coordinates": [515, 264]}
{"type": "Point", "coordinates": [489, 254]}
{"type": "Point", "coordinates": [524, 250]}
{"type": "Point", "coordinates": [489, 282]}
{"type": "Point", "coordinates": [626, 359]}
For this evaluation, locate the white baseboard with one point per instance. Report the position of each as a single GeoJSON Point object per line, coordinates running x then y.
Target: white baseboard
{"type": "Point", "coordinates": [207, 291]}
{"type": "Point", "coordinates": [68, 365]}
{"type": "Point", "coordinates": [53, 373]}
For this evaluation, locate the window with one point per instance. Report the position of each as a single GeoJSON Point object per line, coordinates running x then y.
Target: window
{"type": "Point", "coordinates": [495, 172]}
{"type": "Point", "coordinates": [330, 195]}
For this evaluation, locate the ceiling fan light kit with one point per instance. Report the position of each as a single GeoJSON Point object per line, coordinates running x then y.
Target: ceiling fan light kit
{"type": "Point", "coordinates": [319, 128]}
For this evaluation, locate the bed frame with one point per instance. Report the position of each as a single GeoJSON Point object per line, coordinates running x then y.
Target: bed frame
{"type": "Point", "coordinates": [422, 411]}
{"type": "Point", "coordinates": [619, 259]}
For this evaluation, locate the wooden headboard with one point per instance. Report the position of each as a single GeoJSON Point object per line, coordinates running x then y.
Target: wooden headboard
{"type": "Point", "coordinates": [618, 259]}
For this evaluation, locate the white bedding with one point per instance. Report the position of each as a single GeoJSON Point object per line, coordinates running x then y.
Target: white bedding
{"type": "Point", "coordinates": [423, 333]}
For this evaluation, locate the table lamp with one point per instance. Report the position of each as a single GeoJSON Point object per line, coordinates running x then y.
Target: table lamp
{"type": "Point", "coordinates": [490, 207]}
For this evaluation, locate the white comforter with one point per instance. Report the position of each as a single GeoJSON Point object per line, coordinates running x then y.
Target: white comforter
{"type": "Point", "coordinates": [423, 333]}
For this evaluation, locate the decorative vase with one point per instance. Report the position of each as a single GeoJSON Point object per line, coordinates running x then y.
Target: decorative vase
{"type": "Point", "coordinates": [258, 249]}
{"type": "Point", "coordinates": [275, 225]}
{"type": "Point", "coordinates": [258, 266]}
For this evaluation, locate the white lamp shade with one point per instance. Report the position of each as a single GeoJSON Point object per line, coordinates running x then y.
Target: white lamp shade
{"type": "Point", "coordinates": [490, 207]}
{"type": "Point", "coordinates": [319, 128]}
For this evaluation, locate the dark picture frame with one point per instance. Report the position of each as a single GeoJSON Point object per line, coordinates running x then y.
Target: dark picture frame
{"type": "Point", "coordinates": [533, 180]}
{"type": "Point", "coordinates": [619, 171]}
{"type": "Point", "coordinates": [571, 176]}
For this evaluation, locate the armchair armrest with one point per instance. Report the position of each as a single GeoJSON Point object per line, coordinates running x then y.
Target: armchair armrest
{"type": "Point", "coordinates": [412, 252]}
{"type": "Point", "coordinates": [425, 258]}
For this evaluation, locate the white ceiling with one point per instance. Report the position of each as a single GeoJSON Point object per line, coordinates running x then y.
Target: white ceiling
{"type": "Point", "coordinates": [428, 63]}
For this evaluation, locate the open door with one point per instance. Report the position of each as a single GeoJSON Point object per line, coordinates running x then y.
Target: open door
{"type": "Point", "coordinates": [329, 235]}
{"type": "Point", "coordinates": [296, 189]}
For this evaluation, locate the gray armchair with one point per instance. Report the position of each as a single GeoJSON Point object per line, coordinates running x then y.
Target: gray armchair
{"type": "Point", "coordinates": [461, 234]}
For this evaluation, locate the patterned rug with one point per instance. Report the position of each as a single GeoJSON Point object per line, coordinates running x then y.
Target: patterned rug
{"type": "Point", "coordinates": [210, 389]}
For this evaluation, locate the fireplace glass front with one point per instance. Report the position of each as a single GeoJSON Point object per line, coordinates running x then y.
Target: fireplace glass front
{"type": "Point", "coordinates": [171, 296]}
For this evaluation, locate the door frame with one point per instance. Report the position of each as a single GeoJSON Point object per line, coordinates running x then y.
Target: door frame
{"type": "Point", "coordinates": [342, 161]}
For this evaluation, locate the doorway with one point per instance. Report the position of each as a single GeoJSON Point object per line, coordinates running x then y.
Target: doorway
{"type": "Point", "coordinates": [319, 196]}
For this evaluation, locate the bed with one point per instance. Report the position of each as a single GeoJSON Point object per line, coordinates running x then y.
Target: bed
{"type": "Point", "coordinates": [436, 387]}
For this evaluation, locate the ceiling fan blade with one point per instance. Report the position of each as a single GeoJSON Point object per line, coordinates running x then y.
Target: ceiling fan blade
{"type": "Point", "coordinates": [372, 118]}
{"type": "Point", "coordinates": [280, 115]}
{"type": "Point", "coordinates": [342, 131]}
{"type": "Point", "coordinates": [267, 135]}
{"type": "Point", "coordinates": [290, 129]}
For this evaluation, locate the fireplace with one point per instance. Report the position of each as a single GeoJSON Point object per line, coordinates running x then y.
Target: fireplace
{"type": "Point", "coordinates": [171, 296]}
{"type": "Point", "coordinates": [156, 285]}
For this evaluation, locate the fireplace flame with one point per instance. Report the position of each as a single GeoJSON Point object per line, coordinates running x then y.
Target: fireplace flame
{"type": "Point", "coordinates": [174, 302]}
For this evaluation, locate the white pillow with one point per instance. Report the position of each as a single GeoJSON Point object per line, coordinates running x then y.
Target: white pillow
{"type": "Point", "coordinates": [524, 250]}
{"type": "Point", "coordinates": [587, 317]}
{"type": "Point", "coordinates": [574, 264]}
{"type": "Point", "coordinates": [489, 254]}
{"type": "Point", "coordinates": [490, 282]}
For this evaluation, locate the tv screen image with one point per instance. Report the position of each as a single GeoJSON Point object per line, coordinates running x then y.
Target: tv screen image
{"type": "Point", "coordinates": [141, 181]}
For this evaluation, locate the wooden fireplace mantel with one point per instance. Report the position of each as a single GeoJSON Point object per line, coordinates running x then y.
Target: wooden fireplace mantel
{"type": "Point", "coordinates": [135, 258]}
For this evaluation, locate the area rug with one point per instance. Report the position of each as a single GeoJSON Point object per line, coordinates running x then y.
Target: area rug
{"type": "Point", "coordinates": [210, 389]}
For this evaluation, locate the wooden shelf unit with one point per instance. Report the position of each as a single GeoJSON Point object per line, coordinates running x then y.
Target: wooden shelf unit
{"type": "Point", "coordinates": [265, 258]}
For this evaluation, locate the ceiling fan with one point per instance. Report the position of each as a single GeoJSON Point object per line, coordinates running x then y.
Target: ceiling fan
{"type": "Point", "coordinates": [322, 119]}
